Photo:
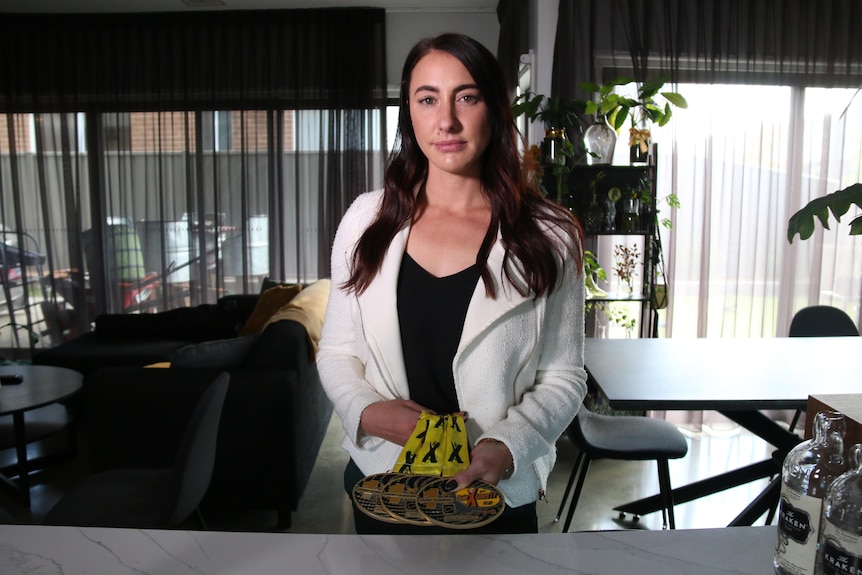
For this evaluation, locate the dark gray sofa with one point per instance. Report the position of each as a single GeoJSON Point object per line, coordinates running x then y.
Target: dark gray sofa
{"type": "Point", "coordinates": [274, 418]}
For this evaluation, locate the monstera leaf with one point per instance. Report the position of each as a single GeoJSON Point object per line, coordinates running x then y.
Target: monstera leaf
{"type": "Point", "coordinates": [802, 222]}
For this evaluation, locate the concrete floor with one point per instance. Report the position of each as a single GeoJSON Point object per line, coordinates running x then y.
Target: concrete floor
{"type": "Point", "coordinates": [325, 508]}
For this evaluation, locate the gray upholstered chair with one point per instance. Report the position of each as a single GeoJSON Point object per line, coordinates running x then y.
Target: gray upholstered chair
{"type": "Point", "coordinates": [628, 438]}
{"type": "Point", "coordinates": [152, 498]}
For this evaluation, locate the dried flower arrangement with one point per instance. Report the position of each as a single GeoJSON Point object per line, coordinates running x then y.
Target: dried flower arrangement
{"type": "Point", "coordinates": [625, 263]}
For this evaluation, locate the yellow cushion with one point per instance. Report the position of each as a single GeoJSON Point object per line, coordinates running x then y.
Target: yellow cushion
{"type": "Point", "coordinates": [267, 304]}
{"type": "Point", "coordinates": [308, 308]}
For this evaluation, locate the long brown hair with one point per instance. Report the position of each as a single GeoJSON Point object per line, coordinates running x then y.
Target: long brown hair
{"type": "Point", "coordinates": [517, 207]}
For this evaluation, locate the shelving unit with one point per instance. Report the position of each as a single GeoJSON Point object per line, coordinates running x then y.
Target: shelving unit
{"type": "Point", "coordinates": [587, 182]}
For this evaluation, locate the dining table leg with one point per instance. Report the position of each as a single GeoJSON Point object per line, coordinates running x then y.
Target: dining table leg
{"type": "Point", "coordinates": [762, 426]}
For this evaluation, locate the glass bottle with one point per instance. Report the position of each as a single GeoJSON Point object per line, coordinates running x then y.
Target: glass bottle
{"type": "Point", "coordinates": [808, 471]}
{"type": "Point", "coordinates": [841, 537]}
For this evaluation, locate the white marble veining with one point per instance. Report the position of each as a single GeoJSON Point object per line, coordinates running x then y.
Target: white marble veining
{"type": "Point", "coordinates": [31, 549]}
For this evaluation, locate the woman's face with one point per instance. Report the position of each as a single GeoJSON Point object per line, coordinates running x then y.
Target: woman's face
{"type": "Point", "coordinates": [449, 115]}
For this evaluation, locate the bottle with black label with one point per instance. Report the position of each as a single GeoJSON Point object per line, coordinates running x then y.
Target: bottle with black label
{"type": "Point", "coordinates": [841, 537]}
{"type": "Point", "coordinates": [808, 471]}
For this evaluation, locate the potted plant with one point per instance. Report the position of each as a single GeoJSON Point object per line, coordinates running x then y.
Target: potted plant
{"type": "Point", "coordinates": [553, 111]}
{"type": "Point", "coordinates": [802, 222]}
{"type": "Point", "coordinates": [625, 264]}
{"type": "Point", "coordinates": [562, 120]}
{"type": "Point", "coordinates": [613, 108]}
{"type": "Point", "coordinates": [838, 202]}
{"type": "Point", "coordinates": [593, 273]}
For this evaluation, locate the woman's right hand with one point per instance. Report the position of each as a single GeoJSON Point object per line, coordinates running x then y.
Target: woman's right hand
{"type": "Point", "coordinates": [393, 420]}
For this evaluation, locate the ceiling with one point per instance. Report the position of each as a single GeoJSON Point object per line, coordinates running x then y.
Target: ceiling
{"type": "Point", "coordinates": [67, 6]}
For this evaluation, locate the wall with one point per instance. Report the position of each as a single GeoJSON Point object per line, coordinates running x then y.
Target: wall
{"type": "Point", "coordinates": [405, 28]}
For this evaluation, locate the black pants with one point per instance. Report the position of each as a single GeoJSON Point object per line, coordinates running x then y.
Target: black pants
{"type": "Point", "coordinates": [513, 519]}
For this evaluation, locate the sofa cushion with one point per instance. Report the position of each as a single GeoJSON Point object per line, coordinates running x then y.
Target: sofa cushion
{"type": "Point", "coordinates": [222, 353]}
{"type": "Point", "coordinates": [307, 308]}
{"type": "Point", "coordinates": [89, 351]}
{"type": "Point", "coordinates": [267, 304]}
{"type": "Point", "coordinates": [202, 322]}
{"type": "Point", "coordinates": [283, 345]}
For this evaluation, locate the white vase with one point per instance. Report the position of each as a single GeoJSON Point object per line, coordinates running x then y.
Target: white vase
{"type": "Point", "coordinates": [600, 140]}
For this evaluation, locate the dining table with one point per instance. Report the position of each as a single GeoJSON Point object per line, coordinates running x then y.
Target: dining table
{"type": "Point", "coordinates": [737, 377]}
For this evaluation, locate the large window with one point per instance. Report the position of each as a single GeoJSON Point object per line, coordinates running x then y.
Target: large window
{"type": "Point", "coordinates": [742, 159]}
{"type": "Point", "coordinates": [195, 205]}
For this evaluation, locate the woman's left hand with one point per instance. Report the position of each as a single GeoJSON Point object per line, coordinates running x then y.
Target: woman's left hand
{"type": "Point", "coordinates": [489, 461]}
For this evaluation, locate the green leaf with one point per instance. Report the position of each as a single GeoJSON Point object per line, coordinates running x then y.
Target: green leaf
{"type": "Point", "coordinates": [802, 222]}
{"type": "Point", "coordinates": [675, 99]}
{"type": "Point", "coordinates": [665, 116]}
{"type": "Point", "coordinates": [589, 87]}
{"type": "Point", "coordinates": [651, 87]}
{"type": "Point", "coordinates": [620, 117]}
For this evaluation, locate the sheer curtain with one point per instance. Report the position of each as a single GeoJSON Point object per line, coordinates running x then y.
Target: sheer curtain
{"type": "Point", "coordinates": [151, 161]}
{"type": "Point", "coordinates": [766, 83]}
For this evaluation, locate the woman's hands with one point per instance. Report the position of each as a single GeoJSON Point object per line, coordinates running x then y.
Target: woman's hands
{"type": "Point", "coordinates": [393, 420]}
{"type": "Point", "coordinates": [490, 461]}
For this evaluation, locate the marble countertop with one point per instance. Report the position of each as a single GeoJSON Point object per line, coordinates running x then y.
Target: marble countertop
{"type": "Point", "coordinates": [71, 550]}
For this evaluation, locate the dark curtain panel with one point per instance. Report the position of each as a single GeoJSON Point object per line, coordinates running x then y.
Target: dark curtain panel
{"type": "Point", "coordinates": [514, 40]}
{"type": "Point", "coordinates": [250, 59]}
{"type": "Point", "coordinates": [780, 41]}
{"type": "Point", "coordinates": [151, 161]}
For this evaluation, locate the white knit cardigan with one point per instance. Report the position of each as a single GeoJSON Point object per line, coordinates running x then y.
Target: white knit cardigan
{"type": "Point", "coordinates": [518, 369]}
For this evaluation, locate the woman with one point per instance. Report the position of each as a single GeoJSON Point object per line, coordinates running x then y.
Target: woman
{"type": "Point", "coordinates": [457, 288]}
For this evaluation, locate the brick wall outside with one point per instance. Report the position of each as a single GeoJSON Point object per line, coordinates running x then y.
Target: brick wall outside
{"type": "Point", "coordinates": [21, 125]}
{"type": "Point", "coordinates": [165, 131]}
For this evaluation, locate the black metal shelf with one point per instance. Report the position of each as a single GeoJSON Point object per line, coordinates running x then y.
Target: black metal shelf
{"type": "Point", "coordinates": [584, 181]}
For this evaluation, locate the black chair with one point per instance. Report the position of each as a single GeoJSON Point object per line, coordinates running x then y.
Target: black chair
{"type": "Point", "coordinates": [152, 498]}
{"type": "Point", "coordinates": [822, 321]}
{"type": "Point", "coordinates": [627, 438]}
{"type": "Point", "coordinates": [811, 321]}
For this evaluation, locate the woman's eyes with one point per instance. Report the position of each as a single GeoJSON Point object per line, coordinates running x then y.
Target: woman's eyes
{"type": "Point", "coordinates": [467, 98]}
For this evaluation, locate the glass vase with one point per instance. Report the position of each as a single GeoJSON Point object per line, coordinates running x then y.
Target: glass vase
{"type": "Point", "coordinates": [630, 220]}
{"type": "Point", "coordinates": [600, 139]}
{"type": "Point", "coordinates": [639, 143]}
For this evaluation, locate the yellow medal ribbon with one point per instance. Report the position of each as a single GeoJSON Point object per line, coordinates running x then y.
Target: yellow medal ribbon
{"type": "Point", "coordinates": [437, 446]}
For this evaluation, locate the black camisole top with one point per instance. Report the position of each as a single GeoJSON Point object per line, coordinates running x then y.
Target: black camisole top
{"type": "Point", "coordinates": [431, 313]}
